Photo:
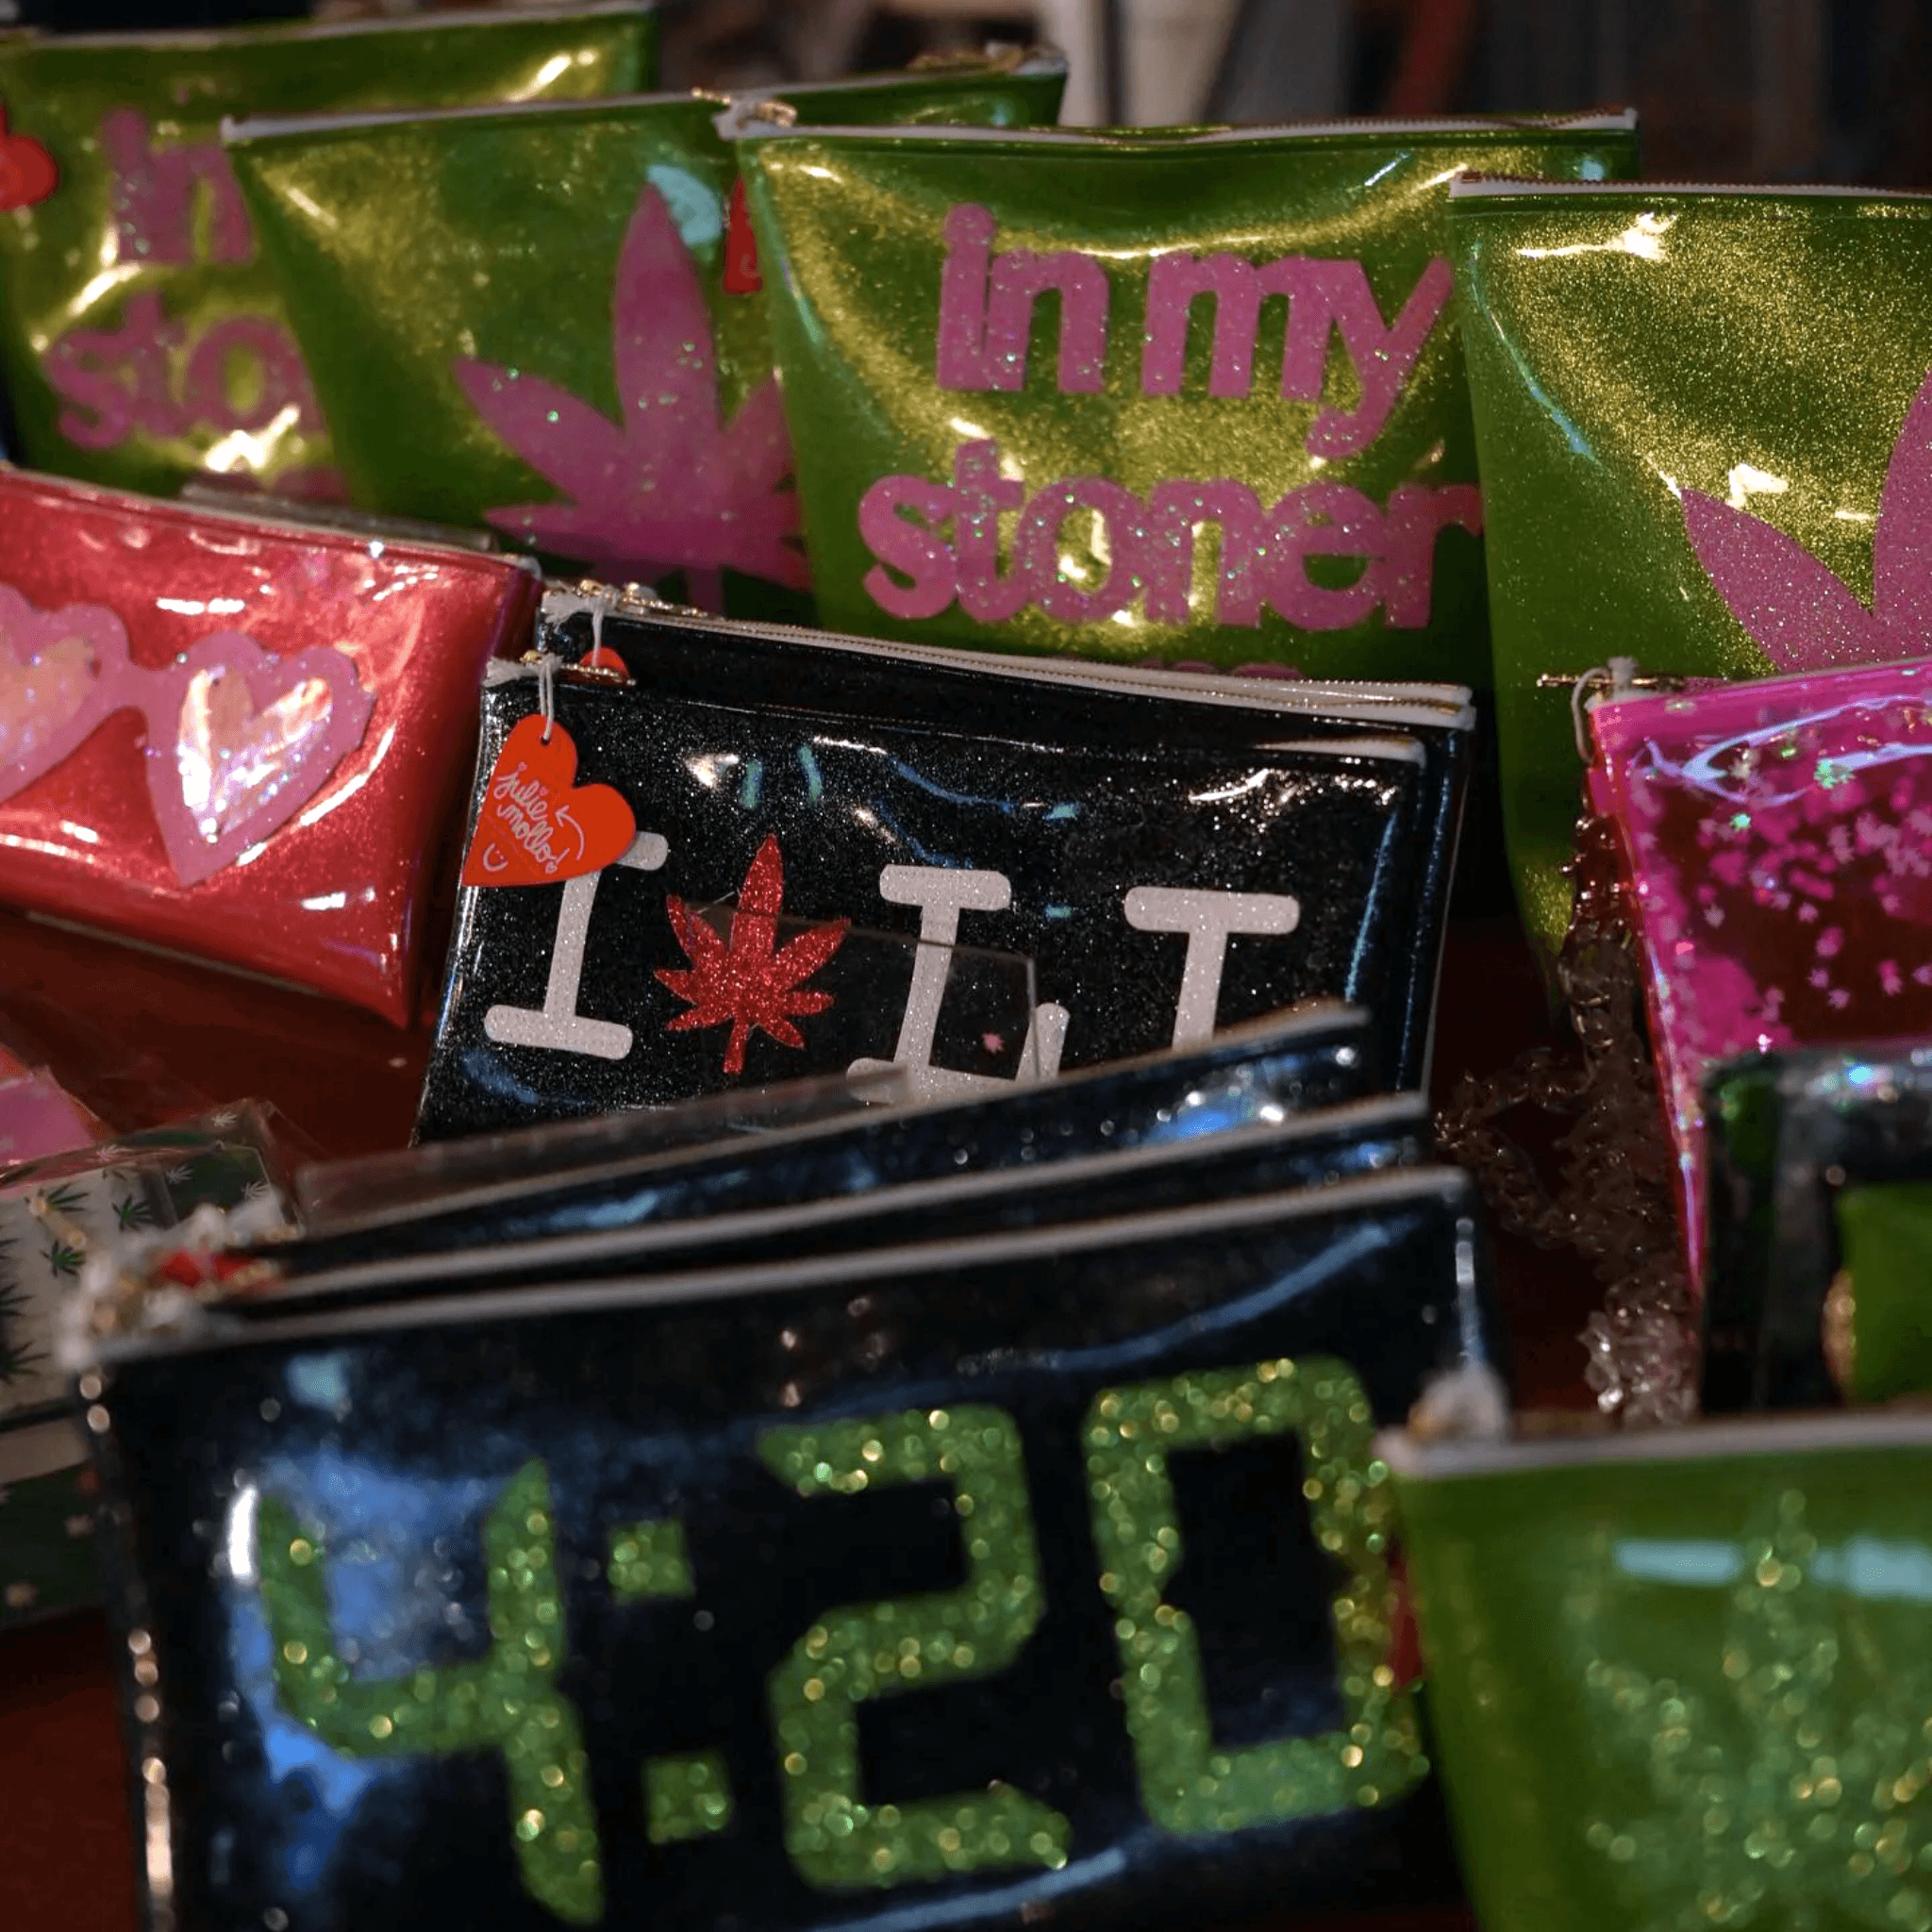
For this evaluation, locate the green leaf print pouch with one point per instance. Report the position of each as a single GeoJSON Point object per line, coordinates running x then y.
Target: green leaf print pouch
{"type": "Point", "coordinates": [140, 331]}
{"type": "Point", "coordinates": [1159, 395]}
{"type": "Point", "coordinates": [1704, 422]}
{"type": "Point", "coordinates": [553, 320]}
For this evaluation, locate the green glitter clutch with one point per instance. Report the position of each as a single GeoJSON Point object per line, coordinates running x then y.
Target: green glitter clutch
{"type": "Point", "coordinates": [1683, 1679]}
{"type": "Point", "coordinates": [1701, 415]}
{"type": "Point", "coordinates": [1878, 1319]}
{"type": "Point", "coordinates": [553, 320]}
{"type": "Point", "coordinates": [1044, 396]}
{"type": "Point", "coordinates": [139, 332]}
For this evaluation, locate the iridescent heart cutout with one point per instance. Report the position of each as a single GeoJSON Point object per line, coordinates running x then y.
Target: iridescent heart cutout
{"type": "Point", "coordinates": [62, 672]}
{"type": "Point", "coordinates": [239, 741]}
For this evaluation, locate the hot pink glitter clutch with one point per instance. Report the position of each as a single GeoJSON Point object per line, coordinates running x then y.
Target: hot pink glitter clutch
{"type": "Point", "coordinates": [1778, 838]}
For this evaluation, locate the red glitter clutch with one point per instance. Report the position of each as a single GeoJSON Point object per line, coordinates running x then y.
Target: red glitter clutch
{"type": "Point", "coordinates": [236, 735]}
{"type": "Point", "coordinates": [1777, 837]}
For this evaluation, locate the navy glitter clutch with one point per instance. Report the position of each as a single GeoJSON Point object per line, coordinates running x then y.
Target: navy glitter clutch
{"type": "Point", "coordinates": [1044, 1573]}
{"type": "Point", "coordinates": [727, 853]}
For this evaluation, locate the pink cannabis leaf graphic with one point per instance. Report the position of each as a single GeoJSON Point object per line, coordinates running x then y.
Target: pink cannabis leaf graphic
{"type": "Point", "coordinates": [670, 487]}
{"type": "Point", "coordinates": [1800, 614]}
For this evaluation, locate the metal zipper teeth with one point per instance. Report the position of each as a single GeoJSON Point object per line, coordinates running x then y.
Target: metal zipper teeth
{"type": "Point", "coordinates": [1753, 688]}
{"type": "Point", "coordinates": [1388, 702]}
{"type": "Point", "coordinates": [1496, 187]}
{"type": "Point", "coordinates": [1698, 1441]}
{"type": "Point", "coordinates": [1217, 1220]}
{"type": "Point", "coordinates": [1385, 1115]}
{"type": "Point", "coordinates": [1623, 120]}
{"type": "Point", "coordinates": [243, 128]}
{"type": "Point", "coordinates": [192, 510]}
{"type": "Point", "coordinates": [270, 33]}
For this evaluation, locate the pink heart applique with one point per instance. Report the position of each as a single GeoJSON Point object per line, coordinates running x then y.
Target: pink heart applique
{"type": "Point", "coordinates": [251, 739]}
{"type": "Point", "coordinates": [61, 673]}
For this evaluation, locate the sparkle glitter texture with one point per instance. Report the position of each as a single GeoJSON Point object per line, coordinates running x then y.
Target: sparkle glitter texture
{"type": "Point", "coordinates": [1186, 1784]}
{"type": "Point", "coordinates": [686, 1797]}
{"type": "Point", "coordinates": [836, 1838]}
{"type": "Point", "coordinates": [1778, 836]}
{"type": "Point", "coordinates": [506, 1701]}
{"type": "Point", "coordinates": [134, 295]}
{"type": "Point", "coordinates": [1681, 1680]}
{"type": "Point", "coordinates": [638, 429]}
{"type": "Point", "coordinates": [1774, 1803]}
{"type": "Point", "coordinates": [647, 1560]}
{"type": "Point", "coordinates": [1654, 371]}
{"type": "Point", "coordinates": [1015, 427]}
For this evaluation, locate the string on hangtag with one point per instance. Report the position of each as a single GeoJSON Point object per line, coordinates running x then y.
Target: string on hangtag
{"type": "Point", "coordinates": [546, 692]}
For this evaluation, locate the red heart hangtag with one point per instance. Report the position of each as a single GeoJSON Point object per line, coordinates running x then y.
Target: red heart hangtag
{"type": "Point", "coordinates": [742, 275]}
{"type": "Point", "coordinates": [534, 826]}
{"type": "Point", "coordinates": [27, 172]}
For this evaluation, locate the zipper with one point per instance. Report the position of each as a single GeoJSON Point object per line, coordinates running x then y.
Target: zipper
{"type": "Point", "coordinates": [344, 519]}
{"type": "Point", "coordinates": [240, 129]}
{"type": "Point", "coordinates": [1377, 1114]}
{"type": "Point", "coordinates": [1494, 187]}
{"type": "Point", "coordinates": [324, 523]}
{"type": "Point", "coordinates": [740, 122]}
{"type": "Point", "coordinates": [205, 1327]}
{"type": "Point", "coordinates": [246, 128]}
{"type": "Point", "coordinates": [1790, 1434]}
{"type": "Point", "coordinates": [1292, 1030]}
{"type": "Point", "coordinates": [1384, 703]}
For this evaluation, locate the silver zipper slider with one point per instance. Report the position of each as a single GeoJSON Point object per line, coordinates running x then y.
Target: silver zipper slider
{"type": "Point", "coordinates": [1619, 679]}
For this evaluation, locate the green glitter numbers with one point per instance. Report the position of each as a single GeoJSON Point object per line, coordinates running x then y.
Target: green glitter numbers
{"type": "Point", "coordinates": [836, 1838]}
{"type": "Point", "coordinates": [686, 1796]}
{"type": "Point", "coordinates": [505, 1700]}
{"type": "Point", "coordinates": [1186, 1783]}
{"type": "Point", "coordinates": [648, 1561]}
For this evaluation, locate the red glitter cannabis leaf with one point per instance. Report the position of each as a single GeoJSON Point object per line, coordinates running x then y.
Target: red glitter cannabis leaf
{"type": "Point", "coordinates": [747, 981]}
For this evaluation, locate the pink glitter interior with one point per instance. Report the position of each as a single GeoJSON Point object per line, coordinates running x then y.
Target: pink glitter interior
{"type": "Point", "coordinates": [1778, 840]}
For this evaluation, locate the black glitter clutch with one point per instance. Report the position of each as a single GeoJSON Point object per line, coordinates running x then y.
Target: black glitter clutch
{"type": "Point", "coordinates": [519, 1187]}
{"type": "Point", "coordinates": [1788, 1133]}
{"type": "Point", "coordinates": [826, 828]}
{"type": "Point", "coordinates": [1041, 1574]}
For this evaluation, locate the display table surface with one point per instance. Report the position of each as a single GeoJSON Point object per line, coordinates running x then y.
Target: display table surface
{"type": "Point", "coordinates": [142, 1036]}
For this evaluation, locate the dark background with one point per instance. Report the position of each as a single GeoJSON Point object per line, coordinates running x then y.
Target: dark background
{"type": "Point", "coordinates": [1728, 89]}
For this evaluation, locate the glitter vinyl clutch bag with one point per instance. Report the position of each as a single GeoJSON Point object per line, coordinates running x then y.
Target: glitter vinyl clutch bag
{"type": "Point", "coordinates": [1772, 834]}
{"type": "Point", "coordinates": [1680, 1677]}
{"type": "Point", "coordinates": [1023, 1161]}
{"type": "Point", "coordinates": [234, 736]}
{"type": "Point", "coordinates": [1165, 855]}
{"type": "Point", "coordinates": [637, 432]}
{"type": "Point", "coordinates": [1793, 1136]}
{"type": "Point", "coordinates": [1037, 1570]}
{"type": "Point", "coordinates": [512, 1194]}
{"type": "Point", "coordinates": [141, 330]}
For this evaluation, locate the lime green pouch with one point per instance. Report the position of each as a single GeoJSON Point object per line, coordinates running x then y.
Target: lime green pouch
{"type": "Point", "coordinates": [1155, 396]}
{"type": "Point", "coordinates": [552, 321]}
{"type": "Point", "coordinates": [1682, 1678]}
{"type": "Point", "coordinates": [1704, 422]}
{"type": "Point", "coordinates": [1878, 1316]}
{"type": "Point", "coordinates": [139, 330]}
